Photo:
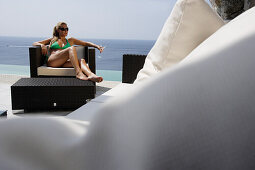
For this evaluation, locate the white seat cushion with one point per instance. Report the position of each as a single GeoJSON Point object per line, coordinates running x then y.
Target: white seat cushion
{"type": "Point", "coordinates": [51, 71]}
{"type": "Point", "coordinates": [189, 24]}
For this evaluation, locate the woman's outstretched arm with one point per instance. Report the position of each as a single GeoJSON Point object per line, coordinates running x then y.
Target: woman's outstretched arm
{"type": "Point", "coordinates": [74, 41]}
{"type": "Point", "coordinates": [43, 44]}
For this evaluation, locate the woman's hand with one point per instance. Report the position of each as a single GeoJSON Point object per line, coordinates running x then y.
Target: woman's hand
{"type": "Point", "coordinates": [100, 48]}
{"type": "Point", "coordinates": [43, 46]}
{"type": "Point", "coordinates": [44, 49]}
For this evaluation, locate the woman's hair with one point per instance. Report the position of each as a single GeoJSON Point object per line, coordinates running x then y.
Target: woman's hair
{"type": "Point", "coordinates": [56, 33]}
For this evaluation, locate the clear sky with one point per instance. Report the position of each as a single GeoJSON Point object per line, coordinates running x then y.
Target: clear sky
{"type": "Point", "coordinates": [100, 19]}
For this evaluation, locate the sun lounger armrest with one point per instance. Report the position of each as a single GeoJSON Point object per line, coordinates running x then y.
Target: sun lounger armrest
{"type": "Point", "coordinates": [132, 64]}
{"type": "Point", "coordinates": [36, 59]}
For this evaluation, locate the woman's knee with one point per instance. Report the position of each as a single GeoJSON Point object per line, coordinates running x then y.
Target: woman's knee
{"type": "Point", "coordinates": [72, 48]}
{"type": "Point", "coordinates": [65, 52]}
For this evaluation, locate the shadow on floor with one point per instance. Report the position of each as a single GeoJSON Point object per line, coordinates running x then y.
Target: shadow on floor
{"type": "Point", "coordinates": [23, 113]}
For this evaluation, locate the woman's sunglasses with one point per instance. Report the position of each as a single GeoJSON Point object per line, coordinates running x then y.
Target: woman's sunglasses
{"type": "Point", "coordinates": [63, 29]}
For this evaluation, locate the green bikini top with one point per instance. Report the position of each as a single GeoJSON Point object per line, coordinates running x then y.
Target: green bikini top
{"type": "Point", "coordinates": [55, 45]}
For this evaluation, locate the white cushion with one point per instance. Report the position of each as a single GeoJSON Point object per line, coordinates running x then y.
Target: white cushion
{"type": "Point", "coordinates": [52, 71]}
{"type": "Point", "coordinates": [189, 24]}
{"type": "Point", "coordinates": [196, 115]}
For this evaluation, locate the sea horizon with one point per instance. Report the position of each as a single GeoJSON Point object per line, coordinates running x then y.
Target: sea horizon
{"type": "Point", "coordinates": [14, 51]}
{"type": "Point", "coordinates": [13, 36]}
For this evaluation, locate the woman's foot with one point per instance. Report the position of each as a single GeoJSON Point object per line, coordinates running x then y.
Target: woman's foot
{"type": "Point", "coordinates": [95, 78]}
{"type": "Point", "coordinates": [81, 76]}
{"type": "Point", "coordinates": [91, 76]}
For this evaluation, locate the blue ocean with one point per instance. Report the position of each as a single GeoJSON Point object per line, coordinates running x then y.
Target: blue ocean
{"type": "Point", "coordinates": [14, 51]}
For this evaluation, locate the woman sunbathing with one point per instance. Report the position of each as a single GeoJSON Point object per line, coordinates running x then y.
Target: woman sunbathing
{"type": "Point", "coordinates": [63, 53]}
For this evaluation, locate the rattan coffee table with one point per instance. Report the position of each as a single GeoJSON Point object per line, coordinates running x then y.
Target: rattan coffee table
{"type": "Point", "coordinates": [51, 93]}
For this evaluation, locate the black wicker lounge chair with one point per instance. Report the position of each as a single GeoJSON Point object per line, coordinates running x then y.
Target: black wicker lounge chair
{"type": "Point", "coordinates": [38, 67]}
{"type": "Point", "coordinates": [132, 64]}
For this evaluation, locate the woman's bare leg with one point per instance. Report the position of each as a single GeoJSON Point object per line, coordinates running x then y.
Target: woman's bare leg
{"type": "Point", "coordinates": [59, 59]}
{"type": "Point", "coordinates": [86, 70]}
{"type": "Point", "coordinates": [91, 76]}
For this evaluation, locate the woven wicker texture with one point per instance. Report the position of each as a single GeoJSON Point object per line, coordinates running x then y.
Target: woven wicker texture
{"type": "Point", "coordinates": [132, 64]}
{"type": "Point", "coordinates": [51, 93]}
{"type": "Point", "coordinates": [52, 82]}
